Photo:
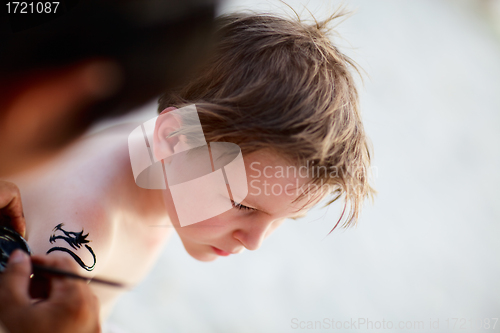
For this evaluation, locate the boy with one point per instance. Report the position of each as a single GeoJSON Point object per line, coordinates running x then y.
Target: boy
{"type": "Point", "coordinates": [275, 87]}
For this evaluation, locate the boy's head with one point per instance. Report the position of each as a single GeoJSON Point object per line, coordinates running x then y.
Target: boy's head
{"type": "Point", "coordinates": [279, 87]}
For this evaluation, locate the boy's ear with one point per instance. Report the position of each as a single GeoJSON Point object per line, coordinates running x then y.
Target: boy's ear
{"type": "Point", "coordinates": [166, 123]}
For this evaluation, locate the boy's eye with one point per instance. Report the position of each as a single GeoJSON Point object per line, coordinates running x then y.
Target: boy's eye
{"type": "Point", "coordinates": [239, 206]}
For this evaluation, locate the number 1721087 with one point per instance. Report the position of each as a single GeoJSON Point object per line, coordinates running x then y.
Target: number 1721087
{"type": "Point", "coordinates": [15, 7]}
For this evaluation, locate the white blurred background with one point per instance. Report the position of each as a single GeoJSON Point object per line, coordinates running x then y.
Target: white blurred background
{"type": "Point", "coordinates": [426, 250]}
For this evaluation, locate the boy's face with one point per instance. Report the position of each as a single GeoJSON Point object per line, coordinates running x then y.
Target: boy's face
{"type": "Point", "coordinates": [273, 185]}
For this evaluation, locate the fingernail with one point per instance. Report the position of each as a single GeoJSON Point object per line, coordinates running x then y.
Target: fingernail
{"type": "Point", "coordinates": [17, 257]}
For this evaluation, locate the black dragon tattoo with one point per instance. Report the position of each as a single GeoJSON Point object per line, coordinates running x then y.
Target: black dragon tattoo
{"type": "Point", "coordinates": [75, 240]}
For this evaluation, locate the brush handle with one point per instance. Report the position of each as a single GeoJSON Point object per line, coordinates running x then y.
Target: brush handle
{"type": "Point", "coordinates": [39, 269]}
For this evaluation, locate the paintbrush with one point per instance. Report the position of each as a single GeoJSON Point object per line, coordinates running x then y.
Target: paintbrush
{"type": "Point", "coordinates": [44, 270]}
{"type": "Point", "coordinates": [11, 240]}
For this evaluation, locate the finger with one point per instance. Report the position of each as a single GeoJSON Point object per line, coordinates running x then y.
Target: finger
{"type": "Point", "coordinates": [60, 286]}
{"type": "Point", "coordinates": [11, 208]}
{"type": "Point", "coordinates": [72, 298]}
{"type": "Point", "coordinates": [16, 278]}
{"type": "Point", "coordinates": [42, 281]}
{"type": "Point", "coordinates": [69, 298]}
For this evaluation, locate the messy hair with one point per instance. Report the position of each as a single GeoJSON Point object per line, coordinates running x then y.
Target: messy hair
{"type": "Point", "coordinates": [280, 84]}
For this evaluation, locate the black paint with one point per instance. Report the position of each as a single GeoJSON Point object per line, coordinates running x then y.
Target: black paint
{"type": "Point", "coordinates": [75, 240]}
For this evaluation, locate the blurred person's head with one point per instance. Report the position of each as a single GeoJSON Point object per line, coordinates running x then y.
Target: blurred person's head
{"type": "Point", "coordinates": [97, 59]}
{"type": "Point", "coordinates": [281, 91]}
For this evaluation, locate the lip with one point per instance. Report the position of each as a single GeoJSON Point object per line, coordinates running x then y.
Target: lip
{"type": "Point", "coordinates": [220, 252]}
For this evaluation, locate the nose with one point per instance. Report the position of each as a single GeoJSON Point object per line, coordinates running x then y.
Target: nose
{"type": "Point", "coordinates": [253, 233]}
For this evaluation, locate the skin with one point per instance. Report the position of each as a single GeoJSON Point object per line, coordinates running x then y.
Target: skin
{"type": "Point", "coordinates": [251, 220]}
{"type": "Point", "coordinates": [243, 228]}
{"type": "Point", "coordinates": [35, 109]}
{"type": "Point", "coordinates": [69, 308]}
{"type": "Point", "coordinates": [94, 187]}
{"type": "Point", "coordinates": [11, 208]}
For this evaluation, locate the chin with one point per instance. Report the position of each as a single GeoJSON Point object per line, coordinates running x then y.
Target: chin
{"type": "Point", "coordinates": [205, 257]}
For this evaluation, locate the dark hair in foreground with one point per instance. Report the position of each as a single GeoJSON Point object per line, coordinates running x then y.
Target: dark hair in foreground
{"type": "Point", "coordinates": [154, 44]}
{"type": "Point", "coordinates": [281, 85]}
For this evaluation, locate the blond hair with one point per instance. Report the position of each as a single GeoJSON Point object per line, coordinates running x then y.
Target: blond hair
{"type": "Point", "coordinates": [280, 84]}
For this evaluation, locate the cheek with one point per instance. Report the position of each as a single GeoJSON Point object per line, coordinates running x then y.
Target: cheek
{"type": "Point", "coordinates": [208, 230]}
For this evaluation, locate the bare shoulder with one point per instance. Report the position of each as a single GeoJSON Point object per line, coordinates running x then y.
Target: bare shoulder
{"type": "Point", "coordinates": [86, 204]}
{"type": "Point", "coordinates": [69, 202]}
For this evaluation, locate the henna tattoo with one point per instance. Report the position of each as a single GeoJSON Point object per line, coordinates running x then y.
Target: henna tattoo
{"type": "Point", "coordinates": [75, 240]}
